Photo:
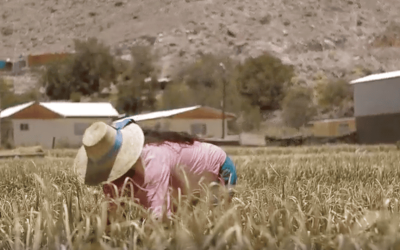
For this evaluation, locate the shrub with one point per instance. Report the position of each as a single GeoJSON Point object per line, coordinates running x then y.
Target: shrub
{"type": "Point", "coordinates": [389, 38]}
{"type": "Point", "coordinates": [297, 107]}
{"type": "Point", "coordinates": [361, 71]}
{"type": "Point", "coordinates": [9, 98]}
{"type": "Point", "coordinates": [263, 81]}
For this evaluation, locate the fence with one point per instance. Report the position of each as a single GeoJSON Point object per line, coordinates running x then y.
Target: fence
{"type": "Point", "coordinates": [350, 138]}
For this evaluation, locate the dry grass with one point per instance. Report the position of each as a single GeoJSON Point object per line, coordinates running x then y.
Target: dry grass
{"type": "Point", "coordinates": [342, 197]}
{"type": "Point", "coordinates": [268, 151]}
{"type": "Point", "coordinates": [23, 150]}
{"type": "Point", "coordinates": [390, 37]}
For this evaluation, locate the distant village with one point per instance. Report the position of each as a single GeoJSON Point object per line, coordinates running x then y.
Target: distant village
{"type": "Point", "coordinates": [61, 124]}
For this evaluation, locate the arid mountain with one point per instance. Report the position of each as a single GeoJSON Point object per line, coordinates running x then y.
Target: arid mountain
{"type": "Point", "coordinates": [318, 36]}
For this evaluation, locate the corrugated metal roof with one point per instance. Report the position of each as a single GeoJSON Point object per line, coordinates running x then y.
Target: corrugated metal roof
{"type": "Point", "coordinates": [376, 77]}
{"type": "Point", "coordinates": [12, 110]}
{"type": "Point", "coordinates": [168, 113]}
{"type": "Point", "coordinates": [70, 109]}
{"type": "Point", "coordinates": [82, 109]}
{"type": "Point", "coordinates": [160, 114]}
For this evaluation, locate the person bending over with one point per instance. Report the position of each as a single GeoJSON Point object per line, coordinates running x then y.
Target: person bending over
{"type": "Point", "coordinates": [154, 164]}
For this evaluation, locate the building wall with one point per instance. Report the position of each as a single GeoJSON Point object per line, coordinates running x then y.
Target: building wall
{"type": "Point", "coordinates": [379, 129]}
{"type": "Point", "coordinates": [333, 127]}
{"type": "Point", "coordinates": [377, 97]}
{"type": "Point", "coordinates": [38, 60]}
{"type": "Point", "coordinates": [377, 111]}
{"type": "Point", "coordinates": [67, 132]}
{"type": "Point", "coordinates": [213, 126]}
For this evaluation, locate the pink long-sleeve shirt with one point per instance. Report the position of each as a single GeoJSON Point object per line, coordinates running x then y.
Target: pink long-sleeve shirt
{"type": "Point", "coordinates": [163, 176]}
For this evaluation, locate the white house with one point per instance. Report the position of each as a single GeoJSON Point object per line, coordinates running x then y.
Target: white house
{"type": "Point", "coordinates": [53, 124]}
{"type": "Point", "coordinates": [198, 120]}
{"type": "Point", "coordinates": [377, 107]}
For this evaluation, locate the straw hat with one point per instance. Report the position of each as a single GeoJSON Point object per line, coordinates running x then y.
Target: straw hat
{"type": "Point", "coordinates": [107, 152]}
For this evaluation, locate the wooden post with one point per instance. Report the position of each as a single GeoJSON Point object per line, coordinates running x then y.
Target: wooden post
{"type": "Point", "coordinates": [223, 99]}
{"type": "Point", "coordinates": [223, 109]}
{"type": "Point", "coordinates": [54, 142]}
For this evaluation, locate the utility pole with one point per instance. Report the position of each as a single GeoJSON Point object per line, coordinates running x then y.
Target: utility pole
{"type": "Point", "coordinates": [223, 98]}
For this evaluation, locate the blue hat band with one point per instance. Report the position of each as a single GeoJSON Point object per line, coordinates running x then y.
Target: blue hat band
{"type": "Point", "coordinates": [117, 142]}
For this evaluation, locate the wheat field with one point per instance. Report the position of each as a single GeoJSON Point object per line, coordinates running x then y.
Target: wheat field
{"type": "Point", "coordinates": [325, 197]}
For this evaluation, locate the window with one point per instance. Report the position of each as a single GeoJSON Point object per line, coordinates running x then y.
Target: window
{"type": "Point", "coordinates": [198, 129]}
{"type": "Point", "coordinates": [24, 126]}
{"type": "Point", "coordinates": [79, 128]}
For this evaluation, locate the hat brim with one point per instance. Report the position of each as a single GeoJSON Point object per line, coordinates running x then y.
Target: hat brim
{"type": "Point", "coordinates": [128, 154]}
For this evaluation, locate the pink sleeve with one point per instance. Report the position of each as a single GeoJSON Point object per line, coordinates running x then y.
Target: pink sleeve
{"type": "Point", "coordinates": [157, 178]}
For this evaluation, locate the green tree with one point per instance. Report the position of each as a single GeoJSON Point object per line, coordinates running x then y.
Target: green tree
{"type": "Point", "coordinates": [176, 95]}
{"type": "Point", "coordinates": [297, 106]}
{"type": "Point", "coordinates": [57, 78]}
{"type": "Point", "coordinates": [249, 117]}
{"type": "Point", "coordinates": [206, 71]}
{"type": "Point", "coordinates": [135, 93]}
{"type": "Point", "coordinates": [87, 71]}
{"type": "Point", "coordinates": [93, 64]}
{"type": "Point", "coordinates": [263, 80]}
{"type": "Point", "coordinates": [202, 82]}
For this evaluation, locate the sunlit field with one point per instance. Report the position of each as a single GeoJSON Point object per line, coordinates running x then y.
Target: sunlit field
{"type": "Point", "coordinates": [326, 197]}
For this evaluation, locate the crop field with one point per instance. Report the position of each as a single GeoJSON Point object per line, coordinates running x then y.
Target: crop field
{"type": "Point", "coordinates": [327, 197]}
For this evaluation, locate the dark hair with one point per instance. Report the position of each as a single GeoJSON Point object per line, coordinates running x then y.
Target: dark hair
{"type": "Point", "coordinates": [159, 137]}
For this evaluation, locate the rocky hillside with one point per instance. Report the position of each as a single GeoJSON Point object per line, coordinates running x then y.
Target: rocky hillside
{"type": "Point", "coordinates": [334, 37]}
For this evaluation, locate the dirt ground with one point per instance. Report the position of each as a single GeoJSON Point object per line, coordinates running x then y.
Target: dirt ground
{"type": "Point", "coordinates": [329, 37]}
